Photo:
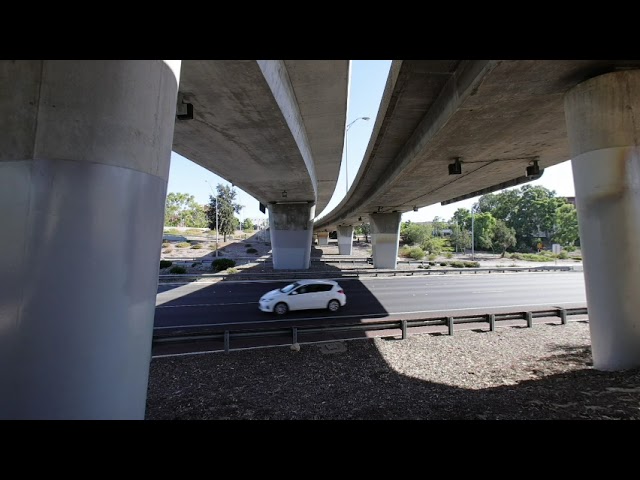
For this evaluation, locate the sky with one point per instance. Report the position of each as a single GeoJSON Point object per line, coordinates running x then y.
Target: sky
{"type": "Point", "coordinates": [366, 85]}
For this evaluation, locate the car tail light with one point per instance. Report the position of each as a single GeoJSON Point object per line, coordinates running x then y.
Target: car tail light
{"type": "Point", "coordinates": [341, 291]}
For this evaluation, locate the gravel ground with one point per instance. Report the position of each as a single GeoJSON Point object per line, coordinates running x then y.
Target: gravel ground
{"type": "Point", "coordinates": [544, 372]}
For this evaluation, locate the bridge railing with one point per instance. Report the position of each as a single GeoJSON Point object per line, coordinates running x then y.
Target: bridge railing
{"type": "Point", "coordinates": [221, 340]}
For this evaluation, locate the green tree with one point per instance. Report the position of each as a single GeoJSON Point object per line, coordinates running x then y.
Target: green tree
{"type": "Point", "coordinates": [462, 218]}
{"type": "Point", "coordinates": [483, 226]}
{"type": "Point", "coordinates": [567, 231]}
{"type": "Point", "coordinates": [226, 209]}
{"type": "Point", "coordinates": [181, 210]}
{"type": "Point", "coordinates": [415, 233]}
{"type": "Point", "coordinates": [247, 224]}
{"type": "Point", "coordinates": [460, 238]}
{"type": "Point", "coordinates": [438, 225]}
{"type": "Point", "coordinates": [363, 229]}
{"type": "Point", "coordinates": [503, 236]}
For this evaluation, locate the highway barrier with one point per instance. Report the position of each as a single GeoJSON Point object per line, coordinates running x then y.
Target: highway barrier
{"type": "Point", "coordinates": [242, 338]}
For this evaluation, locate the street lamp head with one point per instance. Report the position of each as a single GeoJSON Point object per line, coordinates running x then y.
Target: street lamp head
{"type": "Point", "coordinates": [365, 118]}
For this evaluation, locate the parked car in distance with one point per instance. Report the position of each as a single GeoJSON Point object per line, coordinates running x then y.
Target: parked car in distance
{"type": "Point", "coordinates": [304, 295]}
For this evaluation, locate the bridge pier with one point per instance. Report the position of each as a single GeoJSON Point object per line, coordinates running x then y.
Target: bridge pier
{"type": "Point", "coordinates": [603, 125]}
{"type": "Point", "coordinates": [385, 235]}
{"type": "Point", "coordinates": [323, 238]}
{"type": "Point", "coordinates": [85, 148]}
{"type": "Point", "coordinates": [291, 227]}
{"type": "Point", "coordinates": [345, 239]}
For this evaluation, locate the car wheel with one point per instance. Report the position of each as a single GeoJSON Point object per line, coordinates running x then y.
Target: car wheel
{"type": "Point", "coordinates": [281, 308]}
{"type": "Point", "coordinates": [334, 305]}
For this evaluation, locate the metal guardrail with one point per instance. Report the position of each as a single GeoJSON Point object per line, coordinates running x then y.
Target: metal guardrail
{"type": "Point", "coordinates": [356, 273]}
{"type": "Point", "coordinates": [295, 332]}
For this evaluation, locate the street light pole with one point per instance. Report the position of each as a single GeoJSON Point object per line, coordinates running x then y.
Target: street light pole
{"type": "Point", "coordinates": [346, 153]}
{"type": "Point", "coordinates": [472, 236]}
{"type": "Point", "coordinates": [216, 198]}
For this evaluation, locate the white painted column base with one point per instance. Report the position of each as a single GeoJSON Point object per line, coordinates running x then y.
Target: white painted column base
{"type": "Point", "coordinates": [291, 227]}
{"type": "Point", "coordinates": [345, 240]}
{"type": "Point", "coordinates": [603, 119]}
{"type": "Point", "coordinates": [385, 236]}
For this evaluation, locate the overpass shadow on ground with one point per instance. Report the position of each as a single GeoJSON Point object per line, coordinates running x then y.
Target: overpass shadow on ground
{"type": "Point", "coordinates": [515, 376]}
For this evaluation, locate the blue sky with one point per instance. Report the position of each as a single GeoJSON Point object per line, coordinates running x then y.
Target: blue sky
{"type": "Point", "coordinates": [367, 82]}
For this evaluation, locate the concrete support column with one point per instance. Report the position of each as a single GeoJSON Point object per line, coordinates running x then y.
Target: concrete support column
{"type": "Point", "coordinates": [385, 235]}
{"type": "Point", "coordinates": [345, 239]}
{"type": "Point", "coordinates": [603, 125]}
{"type": "Point", "coordinates": [323, 238]}
{"type": "Point", "coordinates": [291, 227]}
{"type": "Point", "coordinates": [85, 148]}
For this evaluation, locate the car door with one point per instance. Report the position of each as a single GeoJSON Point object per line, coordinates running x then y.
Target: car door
{"type": "Point", "coordinates": [316, 296]}
{"type": "Point", "coordinates": [323, 295]}
{"type": "Point", "coordinates": [298, 298]}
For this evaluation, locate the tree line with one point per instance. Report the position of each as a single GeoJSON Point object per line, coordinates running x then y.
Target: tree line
{"type": "Point", "coordinates": [181, 210]}
{"type": "Point", "coordinates": [517, 219]}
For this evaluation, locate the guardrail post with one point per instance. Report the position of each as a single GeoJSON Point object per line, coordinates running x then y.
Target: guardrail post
{"type": "Point", "coordinates": [563, 316]}
{"type": "Point", "coordinates": [226, 341]}
{"type": "Point", "coordinates": [294, 334]}
{"type": "Point", "coordinates": [492, 322]}
{"type": "Point", "coordinates": [404, 330]}
{"type": "Point", "coordinates": [450, 325]}
{"type": "Point", "coordinates": [529, 317]}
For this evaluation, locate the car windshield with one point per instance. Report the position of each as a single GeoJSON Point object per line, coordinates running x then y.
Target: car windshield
{"type": "Point", "coordinates": [289, 287]}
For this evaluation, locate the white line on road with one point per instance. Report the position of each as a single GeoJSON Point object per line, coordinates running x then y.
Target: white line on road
{"type": "Point", "coordinates": [364, 316]}
{"type": "Point", "coordinates": [206, 305]}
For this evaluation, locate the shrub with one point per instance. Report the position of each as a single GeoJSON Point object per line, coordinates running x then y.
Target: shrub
{"type": "Point", "coordinates": [222, 264]}
{"type": "Point", "coordinates": [178, 270]}
{"type": "Point", "coordinates": [232, 270]}
{"type": "Point", "coordinates": [472, 264]}
{"type": "Point", "coordinates": [167, 250]}
{"type": "Point", "coordinates": [449, 255]}
{"type": "Point", "coordinates": [412, 252]}
{"type": "Point", "coordinates": [457, 264]}
{"type": "Point", "coordinates": [443, 264]}
{"type": "Point", "coordinates": [165, 263]}
{"type": "Point", "coordinates": [196, 246]}
{"type": "Point", "coordinates": [563, 255]}
{"type": "Point", "coordinates": [183, 245]}
{"type": "Point", "coordinates": [432, 263]}
{"type": "Point", "coordinates": [426, 267]}
{"type": "Point", "coordinates": [432, 256]}
{"type": "Point", "coordinates": [165, 244]}
{"type": "Point", "coordinates": [251, 250]}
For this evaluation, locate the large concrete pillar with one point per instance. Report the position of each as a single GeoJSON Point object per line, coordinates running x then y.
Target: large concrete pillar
{"type": "Point", "coordinates": [385, 235]}
{"type": "Point", "coordinates": [345, 239]}
{"type": "Point", "coordinates": [323, 238]}
{"type": "Point", "coordinates": [291, 226]}
{"type": "Point", "coordinates": [85, 148]}
{"type": "Point", "coordinates": [603, 124]}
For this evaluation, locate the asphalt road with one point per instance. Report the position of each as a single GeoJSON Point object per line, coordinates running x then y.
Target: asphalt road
{"type": "Point", "coordinates": [234, 304]}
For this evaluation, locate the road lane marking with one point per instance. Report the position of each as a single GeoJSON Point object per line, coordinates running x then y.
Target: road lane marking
{"type": "Point", "coordinates": [364, 316]}
{"type": "Point", "coordinates": [206, 305]}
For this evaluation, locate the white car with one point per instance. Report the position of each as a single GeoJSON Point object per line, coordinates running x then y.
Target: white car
{"type": "Point", "coordinates": [303, 295]}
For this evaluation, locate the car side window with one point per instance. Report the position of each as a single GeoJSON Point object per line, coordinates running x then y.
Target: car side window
{"type": "Point", "coordinates": [302, 290]}
{"type": "Point", "coordinates": [324, 288]}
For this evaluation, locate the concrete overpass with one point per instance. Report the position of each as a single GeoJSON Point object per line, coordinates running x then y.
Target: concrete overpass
{"type": "Point", "coordinates": [84, 160]}
{"type": "Point", "coordinates": [274, 128]}
{"type": "Point", "coordinates": [499, 118]}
